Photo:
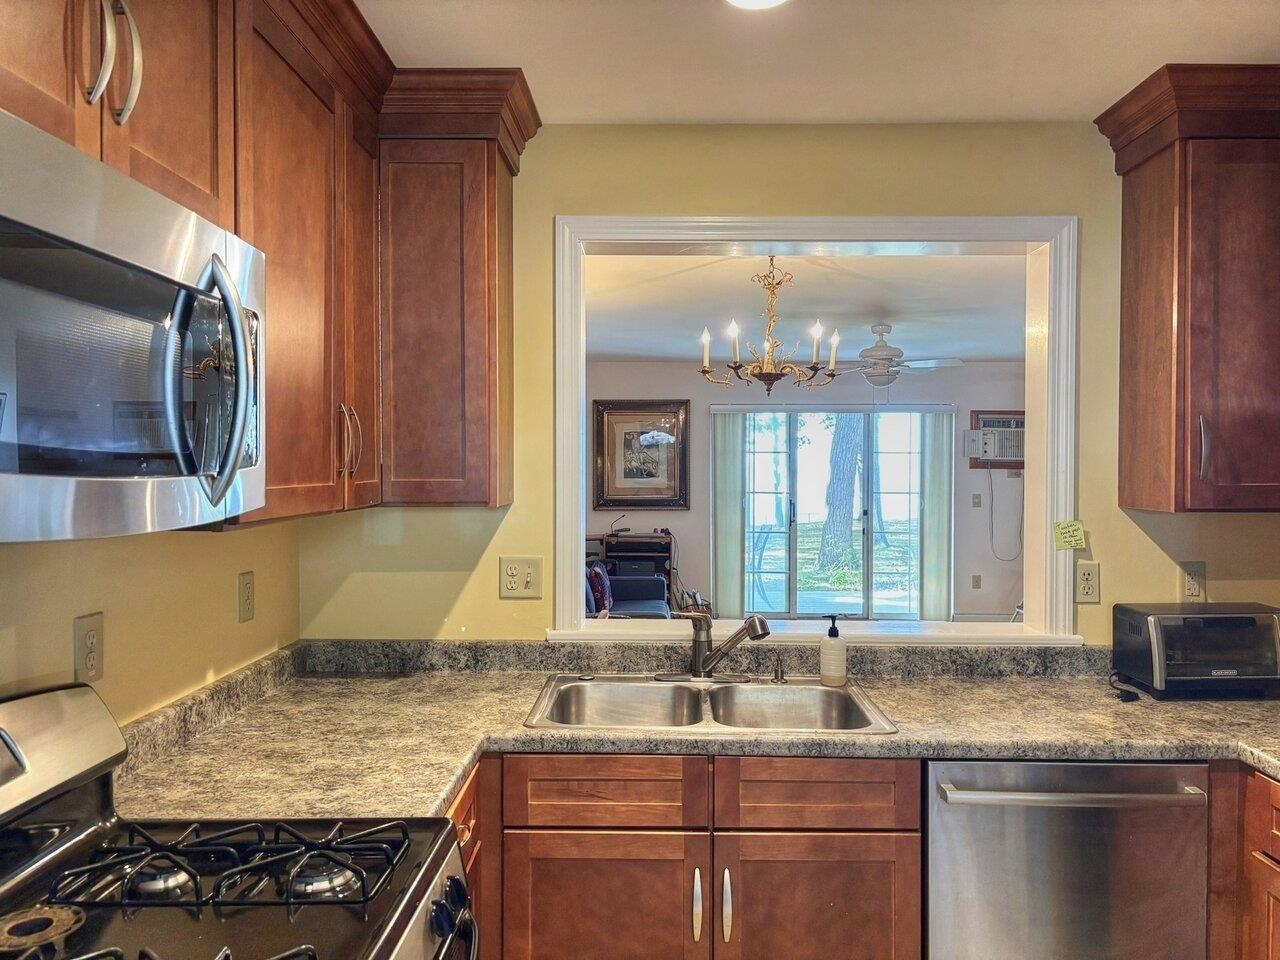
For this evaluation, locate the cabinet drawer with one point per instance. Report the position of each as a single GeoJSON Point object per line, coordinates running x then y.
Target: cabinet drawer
{"type": "Point", "coordinates": [599, 791]}
{"type": "Point", "coordinates": [465, 814]}
{"type": "Point", "coordinates": [792, 793]}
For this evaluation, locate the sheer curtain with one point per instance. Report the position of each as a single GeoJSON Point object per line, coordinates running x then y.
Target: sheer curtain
{"type": "Point", "coordinates": [937, 437]}
{"type": "Point", "coordinates": [728, 489]}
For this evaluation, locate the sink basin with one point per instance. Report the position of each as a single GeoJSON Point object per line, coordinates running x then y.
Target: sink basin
{"type": "Point", "coordinates": [586, 703]}
{"type": "Point", "coordinates": [788, 707]}
{"type": "Point", "coordinates": [630, 700]}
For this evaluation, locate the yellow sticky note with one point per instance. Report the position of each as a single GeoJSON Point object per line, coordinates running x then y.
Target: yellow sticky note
{"type": "Point", "coordinates": [1068, 535]}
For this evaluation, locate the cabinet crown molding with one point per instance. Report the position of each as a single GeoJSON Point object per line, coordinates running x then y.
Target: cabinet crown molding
{"type": "Point", "coordinates": [351, 42]}
{"type": "Point", "coordinates": [1182, 100]}
{"type": "Point", "coordinates": [488, 104]}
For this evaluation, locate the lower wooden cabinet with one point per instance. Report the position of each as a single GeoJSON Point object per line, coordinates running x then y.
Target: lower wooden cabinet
{"type": "Point", "coordinates": [613, 895]}
{"type": "Point", "coordinates": [1262, 920]}
{"type": "Point", "coordinates": [817, 896]}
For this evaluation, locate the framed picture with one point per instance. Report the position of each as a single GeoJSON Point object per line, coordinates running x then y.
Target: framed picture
{"type": "Point", "coordinates": [642, 454]}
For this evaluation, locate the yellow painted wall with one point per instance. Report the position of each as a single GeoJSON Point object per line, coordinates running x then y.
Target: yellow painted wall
{"type": "Point", "coordinates": [170, 606]}
{"type": "Point", "coordinates": [424, 572]}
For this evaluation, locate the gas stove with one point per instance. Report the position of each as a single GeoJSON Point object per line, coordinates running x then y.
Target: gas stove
{"type": "Point", "coordinates": [78, 883]}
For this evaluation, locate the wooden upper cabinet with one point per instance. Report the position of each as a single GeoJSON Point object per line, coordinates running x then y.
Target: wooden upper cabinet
{"type": "Point", "coordinates": [179, 138]}
{"type": "Point", "coordinates": [290, 141]}
{"type": "Point", "coordinates": [361, 338]}
{"type": "Point", "coordinates": [451, 145]}
{"type": "Point", "coordinates": [814, 896]}
{"type": "Point", "coordinates": [1199, 149]}
{"type": "Point", "coordinates": [50, 56]}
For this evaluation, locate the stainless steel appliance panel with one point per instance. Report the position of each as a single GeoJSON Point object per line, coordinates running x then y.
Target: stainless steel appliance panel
{"type": "Point", "coordinates": [1067, 861]}
{"type": "Point", "coordinates": [131, 364]}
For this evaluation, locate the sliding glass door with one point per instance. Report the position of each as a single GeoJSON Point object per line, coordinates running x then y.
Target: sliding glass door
{"type": "Point", "coordinates": [831, 512]}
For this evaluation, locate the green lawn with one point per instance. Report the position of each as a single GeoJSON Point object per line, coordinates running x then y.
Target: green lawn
{"type": "Point", "coordinates": [897, 555]}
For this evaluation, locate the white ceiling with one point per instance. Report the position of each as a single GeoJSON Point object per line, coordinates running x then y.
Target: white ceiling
{"type": "Point", "coordinates": [654, 307]}
{"type": "Point", "coordinates": [897, 61]}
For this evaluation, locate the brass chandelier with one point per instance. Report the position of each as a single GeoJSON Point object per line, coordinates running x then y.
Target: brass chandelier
{"type": "Point", "coordinates": [768, 366]}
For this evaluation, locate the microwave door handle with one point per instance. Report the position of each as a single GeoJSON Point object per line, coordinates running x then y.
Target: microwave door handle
{"type": "Point", "coordinates": [217, 278]}
{"type": "Point", "coordinates": [175, 422]}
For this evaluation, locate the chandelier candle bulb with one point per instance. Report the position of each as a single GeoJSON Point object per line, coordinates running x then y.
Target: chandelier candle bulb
{"type": "Point", "coordinates": [733, 336]}
{"type": "Point", "coordinates": [706, 348]}
{"type": "Point", "coordinates": [817, 342]}
{"type": "Point", "coordinates": [835, 344]}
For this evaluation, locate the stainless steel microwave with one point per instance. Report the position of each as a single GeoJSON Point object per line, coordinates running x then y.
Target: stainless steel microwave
{"type": "Point", "coordinates": [131, 365]}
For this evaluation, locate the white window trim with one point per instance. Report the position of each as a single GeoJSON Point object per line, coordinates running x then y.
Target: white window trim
{"type": "Point", "coordinates": [1052, 245]}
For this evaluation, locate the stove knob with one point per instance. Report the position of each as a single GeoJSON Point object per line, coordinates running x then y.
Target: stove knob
{"type": "Point", "coordinates": [455, 894]}
{"type": "Point", "coordinates": [443, 921]}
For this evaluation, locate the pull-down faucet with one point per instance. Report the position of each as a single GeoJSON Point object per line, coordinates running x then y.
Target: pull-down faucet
{"type": "Point", "coordinates": [706, 658]}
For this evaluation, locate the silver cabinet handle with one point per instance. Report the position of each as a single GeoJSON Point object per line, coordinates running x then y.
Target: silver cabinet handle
{"type": "Point", "coordinates": [697, 904]}
{"type": "Point", "coordinates": [359, 442]}
{"type": "Point", "coordinates": [344, 465]}
{"type": "Point", "coordinates": [217, 278]}
{"type": "Point", "coordinates": [135, 75]}
{"type": "Point", "coordinates": [726, 913]}
{"type": "Point", "coordinates": [1204, 448]}
{"type": "Point", "coordinates": [1186, 796]}
{"type": "Point", "coordinates": [94, 93]}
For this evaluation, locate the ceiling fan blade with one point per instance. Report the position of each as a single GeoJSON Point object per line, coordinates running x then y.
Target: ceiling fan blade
{"type": "Point", "coordinates": [934, 364]}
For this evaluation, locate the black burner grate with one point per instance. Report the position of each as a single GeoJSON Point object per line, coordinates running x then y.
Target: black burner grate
{"type": "Point", "coordinates": [243, 866]}
{"type": "Point", "coordinates": [301, 953]}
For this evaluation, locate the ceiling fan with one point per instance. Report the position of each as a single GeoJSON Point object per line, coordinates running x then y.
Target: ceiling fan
{"type": "Point", "coordinates": [881, 362]}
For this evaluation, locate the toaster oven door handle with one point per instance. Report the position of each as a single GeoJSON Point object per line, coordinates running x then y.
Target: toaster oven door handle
{"type": "Point", "coordinates": [1186, 796]}
{"type": "Point", "coordinates": [217, 278]}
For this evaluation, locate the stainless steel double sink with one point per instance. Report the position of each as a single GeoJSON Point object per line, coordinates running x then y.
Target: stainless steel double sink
{"type": "Point", "coordinates": [640, 701]}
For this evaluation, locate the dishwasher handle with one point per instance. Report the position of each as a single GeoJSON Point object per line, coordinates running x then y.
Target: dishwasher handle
{"type": "Point", "coordinates": [1186, 796]}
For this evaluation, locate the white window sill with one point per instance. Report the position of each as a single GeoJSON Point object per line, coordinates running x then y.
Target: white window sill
{"type": "Point", "coordinates": [916, 632]}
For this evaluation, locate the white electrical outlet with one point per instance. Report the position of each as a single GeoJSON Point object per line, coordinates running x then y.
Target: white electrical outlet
{"type": "Point", "coordinates": [246, 595]}
{"type": "Point", "coordinates": [977, 499]}
{"type": "Point", "coordinates": [88, 633]}
{"type": "Point", "coordinates": [520, 578]}
{"type": "Point", "coordinates": [1193, 584]}
{"type": "Point", "coordinates": [1088, 582]}
{"type": "Point", "coordinates": [975, 581]}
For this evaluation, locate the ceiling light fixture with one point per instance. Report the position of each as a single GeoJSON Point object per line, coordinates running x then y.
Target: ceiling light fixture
{"type": "Point", "coordinates": [879, 363]}
{"type": "Point", "coordinates": [756, 4]}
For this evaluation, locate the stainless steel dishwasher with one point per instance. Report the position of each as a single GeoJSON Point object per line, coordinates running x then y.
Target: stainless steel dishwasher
{"type": "Point", "coordinates": [1067, 861]}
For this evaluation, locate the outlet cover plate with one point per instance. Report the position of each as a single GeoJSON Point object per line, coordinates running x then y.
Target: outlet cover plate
{"type": "Point", "coordinates": [246, 596]}
{"type": "Point", "coordinates": [1088, 582]}
{"type": "Point", "coordinates": [520, 578]}
{"type": "Point", "coordinates": [89, 634]}
{"type": "Point", "coordinates": [1193, 584]}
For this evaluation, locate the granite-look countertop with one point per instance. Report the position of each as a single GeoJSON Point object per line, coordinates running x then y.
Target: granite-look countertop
{"type": "Point", "coordinates": [400, 746]}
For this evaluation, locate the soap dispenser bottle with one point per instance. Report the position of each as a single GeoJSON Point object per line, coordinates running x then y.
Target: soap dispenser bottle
{"type": "Point", "coordinates": [833, 663]}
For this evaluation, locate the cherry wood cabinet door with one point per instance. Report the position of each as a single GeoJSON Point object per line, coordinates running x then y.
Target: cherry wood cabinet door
{"type": "Point", "coordinates": [817, 896]}
{"type": "Point", "coordinates": [588, 790]}
{"type": "Point", "coordinates": [606, 895]}
{"type": "Point", "coordinates": [1233, 286]}
{"type": "Point", "coordinates": [445, 209]}
{"type": "Point", "coordinates": [50, 55]}
{"type": "Point", "coordinates": [361, 335]}
{"type": "Point", "coordinates": [290, 132]}
{"type": "Point", "coordinates": [180, 137]}
{"type": "Point", "coordinates": [1262, 923]}
{"type": "Point", "coordinates": [798, 793]}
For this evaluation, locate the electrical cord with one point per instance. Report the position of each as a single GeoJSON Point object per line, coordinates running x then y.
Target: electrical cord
{"type": "Point", "coordinates": [991, 518]}
{"type": "Point", "coordinates": [1124, 693]}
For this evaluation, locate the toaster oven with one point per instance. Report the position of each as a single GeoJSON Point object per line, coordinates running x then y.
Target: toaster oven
{"type": "Point", "coordinates": [1204, 649]}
